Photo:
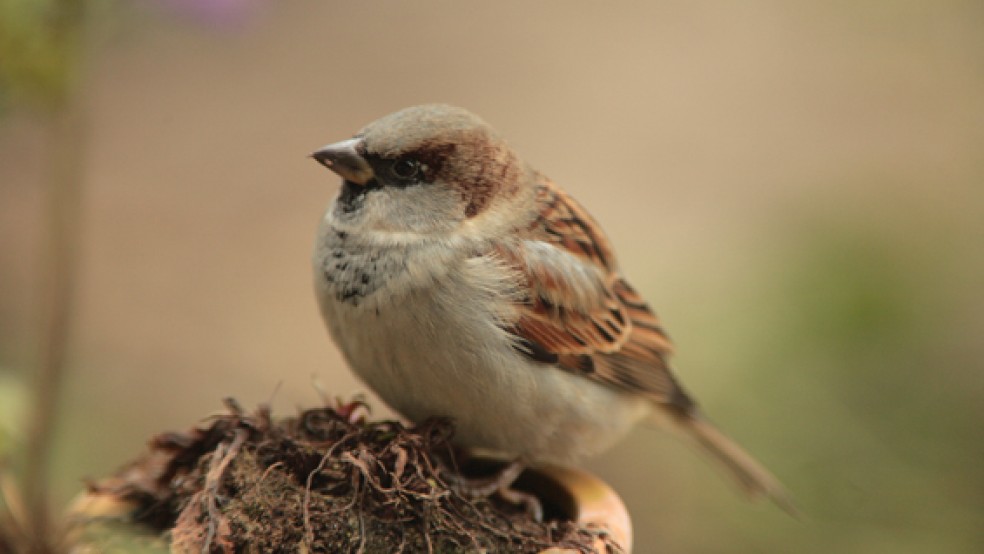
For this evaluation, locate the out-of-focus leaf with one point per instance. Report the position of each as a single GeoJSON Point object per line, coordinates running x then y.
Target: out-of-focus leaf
{"type": "Point", "coordinates": [38, 43]}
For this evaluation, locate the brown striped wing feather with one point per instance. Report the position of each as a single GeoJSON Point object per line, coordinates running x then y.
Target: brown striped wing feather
{"type": "Point", "coordinates": [578, 313]}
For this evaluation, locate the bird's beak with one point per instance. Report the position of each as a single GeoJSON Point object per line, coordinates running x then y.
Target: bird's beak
{"type": "Point", "coordinates": [344, 159]}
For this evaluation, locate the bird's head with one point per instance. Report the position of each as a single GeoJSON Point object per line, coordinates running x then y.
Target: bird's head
{"type": "Point", "coordinates": [427, 170]}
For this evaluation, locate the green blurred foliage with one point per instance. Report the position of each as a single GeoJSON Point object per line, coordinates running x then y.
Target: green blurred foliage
{"type": "Point", "coordinates": [36, 62]}
{"type": "Point", "coordinates": [42, 45]}
{"type": "Point", "coordinates": [882, 444]}
{"type": "Point", "coordinates": [13, 398]}
{"type": "Point", "coordinates": [117, 538]}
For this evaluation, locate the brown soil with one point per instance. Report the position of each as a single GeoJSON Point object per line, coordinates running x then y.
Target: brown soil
{"type": "Point", "coordinates": [325, 481]}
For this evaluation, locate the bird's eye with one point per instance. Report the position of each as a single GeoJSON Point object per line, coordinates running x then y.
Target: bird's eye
{"type": "Point", "coordinates": [406, 168]}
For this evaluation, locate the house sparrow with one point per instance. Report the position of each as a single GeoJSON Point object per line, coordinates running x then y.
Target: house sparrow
{"type": "Point", "coordinates": [458, 281]}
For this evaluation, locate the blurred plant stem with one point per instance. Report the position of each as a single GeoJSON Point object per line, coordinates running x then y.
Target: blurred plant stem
{"type": "Point", "coordinates": [63, 29]}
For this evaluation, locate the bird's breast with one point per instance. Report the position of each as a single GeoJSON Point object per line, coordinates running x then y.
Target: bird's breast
{"type": "Point", "coordinates": [427, 333]}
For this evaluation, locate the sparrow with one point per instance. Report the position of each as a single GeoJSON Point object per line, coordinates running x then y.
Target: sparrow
{"type": "Point", "coordinates": [460, 282]}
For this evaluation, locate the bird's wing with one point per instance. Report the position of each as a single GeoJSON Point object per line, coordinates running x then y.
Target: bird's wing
{"type": "Point", "coordinates": [577, 312]}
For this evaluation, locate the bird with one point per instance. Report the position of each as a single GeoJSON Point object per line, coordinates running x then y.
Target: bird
{"type": "Point", "coordinates": [458, 281]}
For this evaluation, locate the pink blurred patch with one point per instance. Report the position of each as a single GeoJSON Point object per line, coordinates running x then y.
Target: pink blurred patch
{"type": "Point", "coordinates": [214, 12]}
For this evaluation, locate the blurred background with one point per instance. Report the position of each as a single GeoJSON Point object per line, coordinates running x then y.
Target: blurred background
{"type": "Point", "coordinates": [796, 188]}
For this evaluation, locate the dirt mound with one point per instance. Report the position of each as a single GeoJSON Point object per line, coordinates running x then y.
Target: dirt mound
{"type": "Point", "coordinates": [326, 481]}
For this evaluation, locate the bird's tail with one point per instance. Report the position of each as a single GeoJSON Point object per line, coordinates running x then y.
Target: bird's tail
{"type": "Point", "coordinates": [753, 478]}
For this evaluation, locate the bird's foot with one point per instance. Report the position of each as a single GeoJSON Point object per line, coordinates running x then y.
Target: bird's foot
{"type": "Point", "coordinates": [500, 485]}
{"type": "Point", "coordinates": [525, 499]}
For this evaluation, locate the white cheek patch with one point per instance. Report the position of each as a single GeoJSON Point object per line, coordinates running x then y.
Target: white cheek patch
{"type": "Point", "coordinates": [420, 209]}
